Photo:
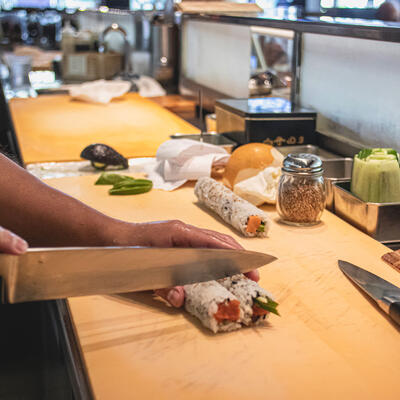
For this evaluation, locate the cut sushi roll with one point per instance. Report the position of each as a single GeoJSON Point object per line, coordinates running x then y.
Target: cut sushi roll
{"type": "Point", "coordinates": [255, 302]}
{"type": "Point", "coordinates": [242, 215]}
{"type": "Point", "coordinates": [216, 307]}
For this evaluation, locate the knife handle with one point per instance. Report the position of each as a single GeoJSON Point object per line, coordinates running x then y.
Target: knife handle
{"type": "Point", "coordinates": [394, 311]}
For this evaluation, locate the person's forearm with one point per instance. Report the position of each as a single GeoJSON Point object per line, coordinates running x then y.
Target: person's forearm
{"type": "Point", "coordinates": [47, 217]}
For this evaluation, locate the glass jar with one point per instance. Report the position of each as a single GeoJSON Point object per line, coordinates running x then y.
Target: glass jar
{"type": "Point", "coordinates": [301, 190]}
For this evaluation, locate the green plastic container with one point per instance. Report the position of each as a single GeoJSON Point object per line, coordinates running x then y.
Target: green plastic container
{"type": "Point", "coordinates": [376, 176]}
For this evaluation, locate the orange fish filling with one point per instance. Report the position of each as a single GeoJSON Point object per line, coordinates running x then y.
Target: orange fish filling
{"type": "Point", "coordinates": [228, 311]}
{"type": "Point", "coordinates": [258, 311]}
{"type": "Point", "coordinates": [253, 224]}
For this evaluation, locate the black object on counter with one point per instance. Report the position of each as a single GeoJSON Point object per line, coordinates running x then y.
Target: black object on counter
{"type": "Point", "coordinates": [270, 120]}
{"type": "Point", "coordinates": [101, 156]}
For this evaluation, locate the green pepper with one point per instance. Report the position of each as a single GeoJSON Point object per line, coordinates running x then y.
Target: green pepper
{"type": "Point", "coordinates": [126, 190]}
{"type": "Point", "coordinates": [111, 179]}
{"type": "Point", "coordinates": [267, 304]}
{"type": "Point", "coordinates": [132, 182]}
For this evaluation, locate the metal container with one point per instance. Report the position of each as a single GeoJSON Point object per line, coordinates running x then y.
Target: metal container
{"type": "Point", "coordinates": [335, 170]}
{"type": "Point", "coordinates": [379, 220]}
{"type": "Point", "coordinates": [212, 138]}
{"type": "Point", "coordinates": [164, 39]}
{"type": "Point", "coordinates": [301, 190]}
{"type": "Point", "coordinates": [310, 149]}
{"type": "Point", "coordinates": [271, 120]}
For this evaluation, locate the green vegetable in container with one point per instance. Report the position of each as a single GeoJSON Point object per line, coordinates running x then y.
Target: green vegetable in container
{"type": "Point", "coordinates": [376, 175]}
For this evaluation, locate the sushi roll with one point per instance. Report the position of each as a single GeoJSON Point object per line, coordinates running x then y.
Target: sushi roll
{"type": "Point", "coordinates": [216, 307]}
{"type": "Point", "coordinates": [234, 210]}
{"type": "Point", "coordinates": [255, 302]}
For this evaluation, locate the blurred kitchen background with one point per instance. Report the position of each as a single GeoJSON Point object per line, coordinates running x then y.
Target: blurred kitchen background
{"type": "Point", "coordinates": [47, 43]}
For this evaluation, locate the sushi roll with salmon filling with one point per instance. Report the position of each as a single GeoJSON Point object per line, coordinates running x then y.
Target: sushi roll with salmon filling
{"type": "Point", "coordinates": [255, 302]}
{"type": "Point", "coordinates": [216, 307]}
{"type": "Point", "coordinates": [242, 215]}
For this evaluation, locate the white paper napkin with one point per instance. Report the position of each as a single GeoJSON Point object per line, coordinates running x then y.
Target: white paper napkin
{"type": "Point", "coordinates": [180, 160]}
{"type": "Point", "coordinates": [100, 91]}
{"type": "Point", "coordinates": [262, 188]}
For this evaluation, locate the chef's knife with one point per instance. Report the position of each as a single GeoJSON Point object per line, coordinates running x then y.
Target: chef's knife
{"type": "Point", "coordinates": [384, 293]}
{"type": "Point", "coordinates": [54, 273]}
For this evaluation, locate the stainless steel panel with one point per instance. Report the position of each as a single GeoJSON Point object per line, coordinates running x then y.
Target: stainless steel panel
{"type": "Point", "coordinates": [228, 121]}
{"type": "Point", "coordinates": [379, 220]}
{"type": "Point", "coordinates": [335, 170]}
{"type": "Point", "coordinates": [308, 148]}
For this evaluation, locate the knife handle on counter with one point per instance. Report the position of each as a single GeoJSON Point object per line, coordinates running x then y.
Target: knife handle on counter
{"type": "Point", "coordinates": [394, 311]}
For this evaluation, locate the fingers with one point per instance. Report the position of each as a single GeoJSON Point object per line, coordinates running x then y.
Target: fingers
{"type": "Point", "coordinates": [11, 243]}
{"type": "Point", "coordinates": [253, 275]}
{"type": "Point", "coordinates": [175, 296]}
{"type": "Point", "coordinates": [229, 240]}
{"type": "Point", "coordinates": [185, 235]}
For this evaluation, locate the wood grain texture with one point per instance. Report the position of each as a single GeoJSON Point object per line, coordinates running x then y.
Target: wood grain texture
{"type": "Point", "coordinates": [57, 128]}
{"type": "Point", "coordinates": [331, 342]}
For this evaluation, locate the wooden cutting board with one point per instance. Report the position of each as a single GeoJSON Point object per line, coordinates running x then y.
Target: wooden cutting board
{"type": "Point", "coordinates": [331, 342]}
{"type": "Point", "coordinates": [57, 128]}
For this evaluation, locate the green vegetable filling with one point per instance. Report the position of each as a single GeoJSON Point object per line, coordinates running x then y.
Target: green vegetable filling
{"type": "Point", "coordinates": [267, 304]}
{"type": "Point", "coordinates": [261, 228]}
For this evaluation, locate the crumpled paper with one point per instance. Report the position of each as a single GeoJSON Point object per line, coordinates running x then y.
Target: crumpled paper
{"type": "Point", "coordinates": [261, 188]}
{"type": "Point", "coordinates": [180, 160]}
{"type": "Point", "coordinates": [100, 91]}
{"type": "Point", "coordinates": [149, 87]}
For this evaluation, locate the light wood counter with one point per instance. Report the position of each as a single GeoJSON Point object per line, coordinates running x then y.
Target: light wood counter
{"type": "Point", "coordinates": [57, 128]}
{"type": "Point", "coordinates": [331, 342]}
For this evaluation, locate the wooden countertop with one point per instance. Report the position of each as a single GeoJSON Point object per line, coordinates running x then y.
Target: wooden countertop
{"type": "Point", "coordinates": [57, 128]}
{"type": "Point", "coordinates": [331, 342]}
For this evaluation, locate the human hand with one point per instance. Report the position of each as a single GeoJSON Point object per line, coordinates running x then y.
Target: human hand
{"type": "Point", "coordinates": [178, 234]}
{"type": "Point", "coordinates": [10, 243]}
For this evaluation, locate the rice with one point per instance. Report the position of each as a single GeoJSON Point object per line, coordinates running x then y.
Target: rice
{"type": "Point", "coordinates": [231, 208]}
{"type": "Point", "coordinates": [202, 301]}
{"type": "Point", "coordinates": [246, 290]}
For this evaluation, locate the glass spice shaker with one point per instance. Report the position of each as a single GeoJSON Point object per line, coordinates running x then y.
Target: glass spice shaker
{"type": "Point", "coordinates": [301, 190]}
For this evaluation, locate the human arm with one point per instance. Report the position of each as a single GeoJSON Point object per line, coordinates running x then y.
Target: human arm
{"type": "Point", "coordinates": [47, 217]}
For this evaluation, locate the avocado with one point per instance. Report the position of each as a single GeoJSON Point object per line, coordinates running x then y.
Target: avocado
{"type": "Point", "coordinates": [101, 156]}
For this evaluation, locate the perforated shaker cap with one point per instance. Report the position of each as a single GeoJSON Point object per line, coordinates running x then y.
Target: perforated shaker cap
{"type": "Point", "coordinates": [302, 163]}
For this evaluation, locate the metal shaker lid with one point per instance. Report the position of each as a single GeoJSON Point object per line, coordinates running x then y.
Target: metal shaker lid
{"type": "Point", "coordinates": [303, 163]}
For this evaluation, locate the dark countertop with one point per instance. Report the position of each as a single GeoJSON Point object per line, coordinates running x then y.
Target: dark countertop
{"type": "Point", "coordinates": [284, 19]}
{"type": "Point", "coordinates": [40, 356]}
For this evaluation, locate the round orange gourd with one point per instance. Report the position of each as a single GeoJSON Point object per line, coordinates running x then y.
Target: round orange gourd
{"type": "Point", "coordinates": [248, 160]}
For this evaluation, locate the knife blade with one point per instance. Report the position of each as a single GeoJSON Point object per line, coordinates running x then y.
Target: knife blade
{"type": "Point", "coordinates": [383, 292]}
{"type": "Point", "coordinates": [54, 273]}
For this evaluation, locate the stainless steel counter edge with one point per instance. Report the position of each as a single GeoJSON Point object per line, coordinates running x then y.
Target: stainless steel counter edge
{"type": "Point", "coordinates": [76, 366]}
{"type": "Point", "coordinates": [356, 28]}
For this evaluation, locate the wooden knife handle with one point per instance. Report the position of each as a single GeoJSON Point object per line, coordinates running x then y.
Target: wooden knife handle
{"type": "Point", "coordinates": [394, 311]}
